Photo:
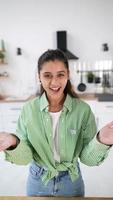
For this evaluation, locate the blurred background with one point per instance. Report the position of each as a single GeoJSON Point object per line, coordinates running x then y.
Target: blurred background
{"type": "Point", "coordinates": [27, 29]}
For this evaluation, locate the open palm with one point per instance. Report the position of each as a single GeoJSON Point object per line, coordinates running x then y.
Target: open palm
{"type": "Point", "coordinates": [6, 141]}
{"type": "Point", "coordinates": [106, 134]}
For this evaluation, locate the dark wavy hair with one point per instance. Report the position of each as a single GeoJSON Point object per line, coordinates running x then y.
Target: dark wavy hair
{"type": "Point", "coordinates": [52, 55]}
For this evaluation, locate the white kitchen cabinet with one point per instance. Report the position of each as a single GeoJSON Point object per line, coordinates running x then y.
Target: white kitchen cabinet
{"type": "Point", "coordinates": [104, 113]}
{"type": "Point", "coordinates": [9, 113]}
{"type": "Point", "coordinates": [0, 117]}
{"type": "Point", "coordinates": [100, 176]}
{"type": "Point", "coordinates": [93, 104]}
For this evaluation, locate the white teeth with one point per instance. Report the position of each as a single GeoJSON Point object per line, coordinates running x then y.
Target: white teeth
{"type": "Point", "coordinates": [55, 89]}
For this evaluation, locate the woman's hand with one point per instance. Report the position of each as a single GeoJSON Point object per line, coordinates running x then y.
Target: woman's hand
{"type": "Point", "coordinates": [7, 140]}
{"type": "Point", "coordinates": [105, 135]}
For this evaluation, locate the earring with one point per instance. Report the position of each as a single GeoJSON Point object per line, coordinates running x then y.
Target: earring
{"type": "Point", "coordinates": [39, 82]}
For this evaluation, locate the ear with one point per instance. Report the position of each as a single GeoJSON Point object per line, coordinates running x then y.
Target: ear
{"type": "Point", "coordinates": [38, 77]}
{"type": "Point", "coordinates": [68, 75]}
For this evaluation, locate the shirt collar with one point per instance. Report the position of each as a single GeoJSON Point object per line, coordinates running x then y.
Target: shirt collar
{"type": "Point", "coordinates": [68, 102]}
{"type": "Point", "coordinates": [44, 102]}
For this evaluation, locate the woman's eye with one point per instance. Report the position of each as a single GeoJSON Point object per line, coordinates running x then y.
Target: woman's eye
{"type": "Point", "coordinates": [60, 75]}
{"type": "Point", "coordinates": [47, 76]}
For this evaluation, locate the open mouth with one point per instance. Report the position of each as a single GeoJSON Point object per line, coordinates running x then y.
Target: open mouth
{"type": "Point", "coordinates": [55, 90]}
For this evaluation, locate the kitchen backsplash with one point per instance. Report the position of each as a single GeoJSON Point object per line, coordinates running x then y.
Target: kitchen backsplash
{"type": "Point", "coordinates": [97, 76]}
{"type": "Point", "coordinates": [21, 81]}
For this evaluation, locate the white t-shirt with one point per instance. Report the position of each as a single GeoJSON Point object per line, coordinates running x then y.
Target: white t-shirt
{"type": "Point", "coordinates": [55, 123]}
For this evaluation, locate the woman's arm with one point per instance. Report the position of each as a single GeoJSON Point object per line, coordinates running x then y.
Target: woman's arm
{"type": "Point", "coordinates": [95, 146]}
{"type": "Point", "coordinates": [8, 141]}
{"type": "Point", "coordinates": [16, 151]}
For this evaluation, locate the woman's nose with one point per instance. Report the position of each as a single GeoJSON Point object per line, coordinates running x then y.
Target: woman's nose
{"type": "Point", "coordinates": [54, 80]}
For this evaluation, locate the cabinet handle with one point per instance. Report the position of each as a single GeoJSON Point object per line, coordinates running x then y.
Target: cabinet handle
{"type": "Point", "coordinates": [14, 122]}
{"type": "Point", "coordinates": [15, 108]}
{"type": "Point", "coordinates": [109, 106]}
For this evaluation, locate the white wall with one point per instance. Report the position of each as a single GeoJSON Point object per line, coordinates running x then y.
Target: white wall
{"type": "Point", "coordinates": [32, 25]}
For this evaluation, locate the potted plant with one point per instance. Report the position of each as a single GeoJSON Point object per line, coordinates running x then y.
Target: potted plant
{"type": "Point", "coordinates": [90, 77]}
{"type": "Point", "coordinates": [2, 56]}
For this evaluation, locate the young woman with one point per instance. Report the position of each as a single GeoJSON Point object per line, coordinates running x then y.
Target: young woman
{"type": "Point", "coordinates": [54, 132]}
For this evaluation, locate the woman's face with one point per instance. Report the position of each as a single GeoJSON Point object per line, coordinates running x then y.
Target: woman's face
{"type": "Point", "coordinates": [54, 76]}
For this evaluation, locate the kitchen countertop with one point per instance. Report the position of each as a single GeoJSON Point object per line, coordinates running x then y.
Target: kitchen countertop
{"type": "Point", "coordinates": [88, 96]}
{"type": "Point", "coordinates": [15, 99]}
{"type": "Point", "coordinates": [83, 96]}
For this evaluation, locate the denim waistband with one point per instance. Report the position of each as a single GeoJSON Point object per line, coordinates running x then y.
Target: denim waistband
{"type": "Point", "coordinates": [40, 170]}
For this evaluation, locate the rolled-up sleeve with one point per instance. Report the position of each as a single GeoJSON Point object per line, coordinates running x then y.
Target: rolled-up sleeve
{"type": "Point", "coordinates": [22, 154]}
{"type": "Point", "coordinates": [93, 152]}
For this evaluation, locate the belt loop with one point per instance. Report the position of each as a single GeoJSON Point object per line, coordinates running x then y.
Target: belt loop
{"type": "Point", "coordinates": [40, 168]}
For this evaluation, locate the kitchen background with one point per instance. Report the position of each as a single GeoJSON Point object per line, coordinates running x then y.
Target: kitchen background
{"type": "Point", "coordinates": [30, 26]}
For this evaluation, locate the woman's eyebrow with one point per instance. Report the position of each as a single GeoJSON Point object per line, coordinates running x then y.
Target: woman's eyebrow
{"type": "Point", "coordinates": [46, 72]}
{"type": "Point", "coordinates": [61, 72]}
{"type": "Point", "coordinates": [56, 72]}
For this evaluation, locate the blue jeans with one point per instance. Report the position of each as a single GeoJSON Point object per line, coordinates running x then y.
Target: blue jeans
{"type": "Point", "coordinates": [60, 185]}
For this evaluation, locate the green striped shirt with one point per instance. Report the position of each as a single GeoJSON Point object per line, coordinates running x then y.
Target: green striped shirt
{"type": "Point", "coordinates": [77, 137]}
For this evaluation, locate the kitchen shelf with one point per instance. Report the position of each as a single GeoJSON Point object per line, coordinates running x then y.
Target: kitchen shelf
{"type": "Point", "coordinates": [4, 77]}
{"type": "Point", "coordinates": [99, 70]}
{"type": "Point", "coordinates": [4, 63]}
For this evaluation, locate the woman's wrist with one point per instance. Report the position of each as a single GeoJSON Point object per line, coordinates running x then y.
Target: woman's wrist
{"type": "Point", "coordinates": [99, 138]}
{"type": "Point", "coordinates": [14, 141]}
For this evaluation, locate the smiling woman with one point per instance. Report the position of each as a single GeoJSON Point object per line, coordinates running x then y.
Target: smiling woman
{"type": "Point", "coordinates": [54, 77]}
{"type": "Point", "coordinates": [54, 131]}
{"type": "Point", "coordinates": [55, 62]}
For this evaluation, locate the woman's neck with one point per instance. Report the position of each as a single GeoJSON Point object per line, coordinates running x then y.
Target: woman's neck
{"type": "Point", "coordinates": [56, 105]}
